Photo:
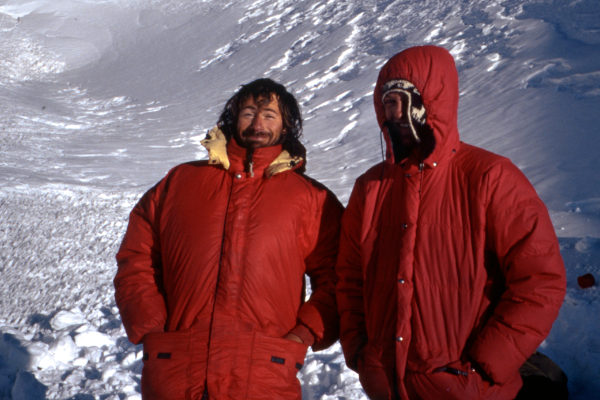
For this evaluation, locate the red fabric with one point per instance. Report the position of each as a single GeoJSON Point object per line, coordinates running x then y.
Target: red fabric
{"type": "Point", "coordinates": [211, 272]}
{"type": "Point", "coordinates": [440, 267]}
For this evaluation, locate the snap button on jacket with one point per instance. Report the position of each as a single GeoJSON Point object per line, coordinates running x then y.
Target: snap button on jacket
{"type": "Point", "coordinates": [441, 268]}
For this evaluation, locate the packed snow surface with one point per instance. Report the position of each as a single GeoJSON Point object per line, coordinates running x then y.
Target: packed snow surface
{"type": "Point", "coordinates": [99, 99]}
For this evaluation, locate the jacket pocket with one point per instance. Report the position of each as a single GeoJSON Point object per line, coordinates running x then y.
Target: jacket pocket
{"type": "Point", "coordinates": [166, 362]}
{"type": "Point", "coordinates": [376, 370]}
{"type": "Point", "coordinates": [454, 381]}
{"type": "Point", "coordinates": [273, 368]}
{"type": "Point", "coordinates": [375, 381]}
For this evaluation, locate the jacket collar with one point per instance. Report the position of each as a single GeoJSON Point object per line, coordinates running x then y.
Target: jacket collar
{"type": "Point", "coordinates": [266, 161]}
{"type": "Point", "coordinates": [433, 72]}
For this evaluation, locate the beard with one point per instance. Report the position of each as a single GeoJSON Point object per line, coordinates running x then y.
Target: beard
{"type": "Point", "coordinates": [249, 138]}
{"type": "Point", "coordinates": [402, 151]}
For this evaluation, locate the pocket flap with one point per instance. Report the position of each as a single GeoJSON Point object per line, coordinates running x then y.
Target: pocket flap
{"type": "Point", "coordinates": [278, 350]}
{"type": "Point", "coordinates": [167, 345]}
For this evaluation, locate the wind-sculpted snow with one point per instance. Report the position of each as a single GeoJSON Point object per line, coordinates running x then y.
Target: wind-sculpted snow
{"type": "Point", "coordinates": [24, 61]}
{"type": "Point", "coordinates": [99, 99]}
{"type": "Point", "coordinates": [61, 247]}
{"type": "Point", "coordinates": [577, 19]}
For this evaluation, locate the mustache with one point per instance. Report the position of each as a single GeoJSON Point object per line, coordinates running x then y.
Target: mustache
{"type": "Point", "coordinates": [253, 132]}
{"type": "Point", "coordinates": [393, 129]}
{"type": "Point", "coordinates": [396, 125]}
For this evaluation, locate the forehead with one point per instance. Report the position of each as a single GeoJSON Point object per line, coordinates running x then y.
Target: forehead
{"type": "Point", "coordinates": [395, 96]}
{"type": "Point", "coordinates": [261, 102]}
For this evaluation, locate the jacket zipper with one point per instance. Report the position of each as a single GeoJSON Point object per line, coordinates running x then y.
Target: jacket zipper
{"type": "Point", "coordinates": [212, 319]}
{"type": "Point", "coordinates": [421, 173]}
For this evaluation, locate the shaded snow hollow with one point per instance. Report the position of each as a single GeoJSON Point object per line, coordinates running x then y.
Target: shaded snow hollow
{"type": "Point", "coordinates": [98, 100]}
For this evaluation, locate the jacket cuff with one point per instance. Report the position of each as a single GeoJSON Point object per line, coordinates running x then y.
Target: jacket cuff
{"type": "Point", "coordinates": [304, 333]}
{"type": "Point", "coordinates": [156, 329]}
{"type": "Point", "coordinates": [497, 356]}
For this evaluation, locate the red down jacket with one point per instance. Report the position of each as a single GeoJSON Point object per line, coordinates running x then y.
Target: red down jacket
{"type": "Point", "coordinates": [211, 273]}
{"type": "Point", "coordinates": [446, 264]}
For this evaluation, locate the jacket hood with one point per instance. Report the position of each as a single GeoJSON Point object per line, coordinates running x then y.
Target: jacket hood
{"type": "Point", "coordinates": [432, 71]}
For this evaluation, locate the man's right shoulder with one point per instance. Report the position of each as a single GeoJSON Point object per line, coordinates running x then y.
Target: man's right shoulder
{"type": "Point", "coordinates": [312, 187]}
{"type": "Point", "coordinates": [375, 173]}
{"type": "Point", "coordinates": [190, 167]}
{"type": "Point", "coordinates": [196, 173]}
{"type": "Point", "coordinates": [184, 173]}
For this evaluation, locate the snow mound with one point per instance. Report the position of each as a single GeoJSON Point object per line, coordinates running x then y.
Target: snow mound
{"type": "Point", "coordinates": [93, 338]}
{"type": "Point", "coordinates": [65, 319]}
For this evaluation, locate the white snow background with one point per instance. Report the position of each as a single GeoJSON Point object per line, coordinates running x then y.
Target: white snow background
{"type": "Point", "coordinates": [100, 98]}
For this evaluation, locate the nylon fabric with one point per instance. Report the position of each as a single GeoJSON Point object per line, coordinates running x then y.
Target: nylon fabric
{"type": "Point", "coordinates": [211, 270]}
{"type": "Point", "coordinates": [451, 261]}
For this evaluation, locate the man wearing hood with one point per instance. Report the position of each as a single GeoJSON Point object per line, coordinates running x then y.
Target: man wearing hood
{"type": "Point", "coordinates": [211, 269]}
{"type": "Point", "coordinates": [450, 271]}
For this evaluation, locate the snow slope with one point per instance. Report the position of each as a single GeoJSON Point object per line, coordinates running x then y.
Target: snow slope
{"type": "Point", "coordinates": [99, 99]}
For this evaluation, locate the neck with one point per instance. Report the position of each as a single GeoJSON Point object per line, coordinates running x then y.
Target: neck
{"type": "Point", "coordinates": [251, 161]}
{"type": "Point", "coordinates": [401, 150]}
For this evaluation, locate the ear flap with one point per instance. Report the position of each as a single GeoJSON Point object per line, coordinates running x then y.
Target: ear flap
{"type": "Point", "coordinates": [418, 114]}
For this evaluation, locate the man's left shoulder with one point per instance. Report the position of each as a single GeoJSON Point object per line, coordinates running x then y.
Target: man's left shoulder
{"type": "Point", "coordinates": [498, 174]}
{"type": "Point", "coordinates": [477, 157]}
{"type": "Point", "coordinates": [475, 160]}
{"type": "Point", "coordinates": [303, 185]}
{"type": "Point", "coordinates": [303, 181]}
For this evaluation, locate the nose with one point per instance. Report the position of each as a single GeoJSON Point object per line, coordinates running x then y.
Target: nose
{"type": "Point", "coordinates": [398, 111]}
{"type": "Point", "coordinates": [258, 123]}
{"type": "Point", "coordinates": [394, 110]}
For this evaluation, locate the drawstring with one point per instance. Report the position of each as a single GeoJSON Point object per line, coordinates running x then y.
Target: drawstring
{"type": "Point", "coordinates": [249, 154]}
{"type": "Point", "coordinates": [381, 142]}
{"type": "Point", "coordinates": [382, 155]}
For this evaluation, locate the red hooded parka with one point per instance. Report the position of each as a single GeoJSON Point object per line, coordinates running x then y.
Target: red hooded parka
{"type": "Point", "coordinates": [450, 271]}
{"type": "Point", "coordinates": [211, 274]}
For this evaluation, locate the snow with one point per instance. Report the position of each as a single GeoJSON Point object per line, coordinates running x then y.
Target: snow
{"type": "Point", "coordinates": [99, 99]}
{"type": "Point", "coordinates": [65, 319]}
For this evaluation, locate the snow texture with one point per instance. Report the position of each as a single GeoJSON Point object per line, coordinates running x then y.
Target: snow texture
{"type": "Point", "coordinates": [99, 99]}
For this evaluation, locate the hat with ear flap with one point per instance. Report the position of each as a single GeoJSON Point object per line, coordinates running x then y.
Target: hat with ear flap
{"type": "Point", "coordinates": [415, 105]}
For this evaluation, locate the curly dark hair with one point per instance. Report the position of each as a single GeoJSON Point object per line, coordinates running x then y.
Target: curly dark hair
{"type": "Point", "coordinates": [265, 88]}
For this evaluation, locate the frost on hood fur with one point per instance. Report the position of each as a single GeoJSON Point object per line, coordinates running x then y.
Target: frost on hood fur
{"type": "Point", "coordinates": [432, 71]}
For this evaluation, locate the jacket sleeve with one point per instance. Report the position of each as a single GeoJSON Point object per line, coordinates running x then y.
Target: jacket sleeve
{"type": "Point", "coordinates": [349, 290]}
{"type": "Point", "coordinates": [318, 322]}
{"type": "Point", "coordinates": [138, 284]}
{"type": "Point", "coordinates": [519, 231]}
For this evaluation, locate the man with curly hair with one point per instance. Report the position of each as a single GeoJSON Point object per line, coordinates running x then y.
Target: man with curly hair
{"type": "Point", "coordinates": [211, 269]}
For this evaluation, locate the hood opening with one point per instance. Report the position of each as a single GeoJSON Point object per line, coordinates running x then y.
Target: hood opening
{"type": "Point", "coordinates": [431, 72]}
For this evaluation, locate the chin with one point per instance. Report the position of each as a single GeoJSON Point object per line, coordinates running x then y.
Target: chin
{"type": "Point", "coordinates": [255, 144]}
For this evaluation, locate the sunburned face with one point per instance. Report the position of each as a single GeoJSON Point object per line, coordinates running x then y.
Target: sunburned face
{"type": "Point", "coordinates": [259, 123]}
{"type": "Point", "coordinates": [396, 113]}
